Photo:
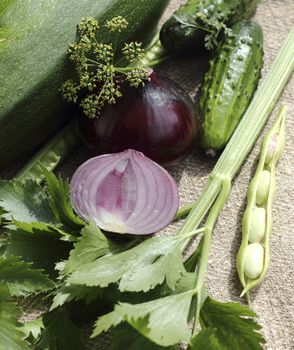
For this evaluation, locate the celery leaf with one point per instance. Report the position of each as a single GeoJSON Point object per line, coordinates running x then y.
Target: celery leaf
{"type": "Point", "coordinates": [59, 198]}
{"type": "Point", "coordinates": [91, 245]}
{"type": "Point", "coordinates": [126, 337]}
{"type": "Point", "coordinates": [205, 339]}
{"type": "Point", "coordinates": [33, 329]}
{"type": "Point", "coordinates": [66, 294]}
{"type": "Point", "coordinates": [163, 321]}
{"type": "Point", "coordinates": [20, 279]}
{"type": "Point", "coordinates": [60, 332]}
{"type": "Point", "coordinates": [37, 245]}
{"type": "Point", "coordinates": [235, 324]}
{"type": "Point", "coordinates": [11, 334]}
{"type": "Point", "coordinates": [141, 268]}
{"type": "Point", "coordinates": [25, 201]}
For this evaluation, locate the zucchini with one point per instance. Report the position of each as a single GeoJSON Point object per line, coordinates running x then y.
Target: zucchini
{"type": "Point", "coordinates": [186, 29]}
{"type": "Point", "coordinates": [34, 37]}
{"type": "Point", "coordinates": [230, 83]}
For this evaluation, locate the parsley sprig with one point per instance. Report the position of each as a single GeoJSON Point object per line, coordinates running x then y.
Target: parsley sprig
{"type": "Point", "coordinates": [99, 75]}
{"type": "Point", "coordinates": [214, 26]}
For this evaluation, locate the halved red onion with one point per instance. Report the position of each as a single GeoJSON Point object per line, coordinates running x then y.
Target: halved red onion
{"type": "Point", "coordinates": [125, 193]}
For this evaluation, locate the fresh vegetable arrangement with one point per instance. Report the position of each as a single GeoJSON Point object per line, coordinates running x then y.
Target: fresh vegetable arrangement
{"type": "Point", "coordinates": [55, 240]}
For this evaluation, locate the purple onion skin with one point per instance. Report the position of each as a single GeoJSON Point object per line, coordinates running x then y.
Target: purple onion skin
{"type": "Point", "coordinates": [158, 120]}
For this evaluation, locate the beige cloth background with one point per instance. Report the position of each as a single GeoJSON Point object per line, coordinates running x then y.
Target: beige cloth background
{"type": "Point", "coordinates": [273, 300]}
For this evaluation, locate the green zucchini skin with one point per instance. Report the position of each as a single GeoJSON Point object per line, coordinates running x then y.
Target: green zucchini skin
{"type": "Point", "coordinates": [182, 32]}
{"type": "Point", "coordinates": [230, 83]}
{"type": "Point", "coordinates": [34, 38]}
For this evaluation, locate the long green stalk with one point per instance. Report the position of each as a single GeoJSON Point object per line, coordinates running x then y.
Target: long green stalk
{"type": "Point", "coordinates": [205, 246]}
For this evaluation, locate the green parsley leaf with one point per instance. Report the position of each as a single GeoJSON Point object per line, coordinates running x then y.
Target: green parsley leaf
{"type": "Point", "coordinates": [60, 332]}
{"type": "Point", "coordinates": [11, 334]}
{"type": "Point", "coordinates": [213, 25]}
{"type": "Point", "coordinates": [54, 230]}
{"type": "Point", "coordinates": [164, 321]}
{"type": "Point", "coordinates": [206, 339]}
{"type": "Point", "coordinates": [21, 279]}
{"type": "Point", "coordinates": [25, 201]}
{"type": "Point", "coordinates": [37, 245]}
{"type": "Point", "coordinates": [235, 325]}
{"type": "Point", "coordinates": [58, 190]}
{"type": "Point", "coordinates": [138, 269]}
{"type": "Point", "coordinates": [70, 293]}
{"type": "Point", "coordinates": [97, 300]}
{"type": "Point", "coordinates": [33, 328]}
{"type": "Point", "coordinates": [91, 245]}
{"type": "Point", "coordinates": [126, 337]}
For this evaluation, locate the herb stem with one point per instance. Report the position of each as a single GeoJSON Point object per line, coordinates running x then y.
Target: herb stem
{"type": "Point", "coordinates": [121, 69]}
{"type": "Point", "coordinates": [192, 25]}
{"type": "Point", "coordinates": [154, 52]}
{"type": "Point", "coordinates": [210, 222]}
{"type": "Point", "coordinates": [200, 208]}
{"type": "Point", "coordinates": [184, 211]}
{"type": "Point", "coordinates": [93, 61]}
{"type": "Point", "coordinates": [159, 61]}
{"type": "Point", "coordinates": [115, 47]}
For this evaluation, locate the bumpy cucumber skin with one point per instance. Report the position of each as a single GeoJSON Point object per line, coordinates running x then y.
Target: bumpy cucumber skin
{"type": "Point", "coordinates": [230, 83]}
{"type": "Point", "coordinates": [34, 37]}
{"type": "Point", "coordinates": [180, 33]}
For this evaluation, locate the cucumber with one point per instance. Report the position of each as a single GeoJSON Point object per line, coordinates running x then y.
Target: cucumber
{"type": "Point", "coordinates": [230, 83]}
{"type": "Point", "coordinates": [34, 37]}
{"type": "Point", "coordinates": [185, 31]}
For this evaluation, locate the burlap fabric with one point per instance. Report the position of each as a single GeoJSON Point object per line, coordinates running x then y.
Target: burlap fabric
{"type": "Point", "coordinates": [273, 300]}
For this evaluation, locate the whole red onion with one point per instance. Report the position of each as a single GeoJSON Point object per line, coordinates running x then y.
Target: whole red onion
{"type": "Point", "coordinates": [158, 119]}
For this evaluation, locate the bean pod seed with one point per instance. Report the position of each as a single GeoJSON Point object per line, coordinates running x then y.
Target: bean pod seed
{"type": "Point", "coordinates": [254, 260]}
{"type": "Point", "coordinates": [257, 225]}
{"type": "Point", "coordinates": [263, 187]}
{"type": "Point", "coordinates": [253, 255]}
{"type": "Point", "coordinates": [276, 147]}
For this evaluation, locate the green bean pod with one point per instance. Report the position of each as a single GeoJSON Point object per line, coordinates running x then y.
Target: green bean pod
{"type": "Point", "coordinates": [254, 253]}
